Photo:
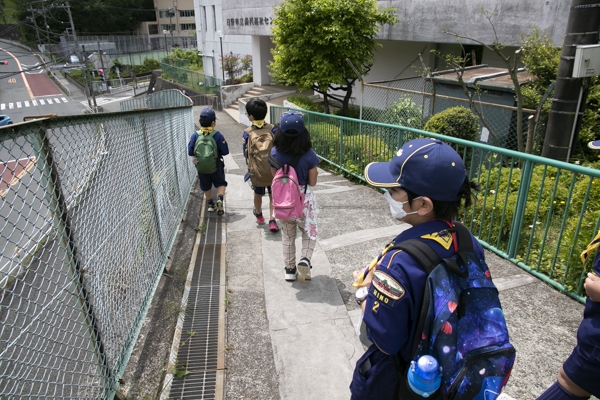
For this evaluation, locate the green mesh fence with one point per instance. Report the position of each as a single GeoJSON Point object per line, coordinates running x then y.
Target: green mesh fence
{"type": "Point", "coordinates": [536, 212]}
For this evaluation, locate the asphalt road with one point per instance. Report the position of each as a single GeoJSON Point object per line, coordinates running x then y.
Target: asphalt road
{"type": "Point", "coordinates": [25, 88]}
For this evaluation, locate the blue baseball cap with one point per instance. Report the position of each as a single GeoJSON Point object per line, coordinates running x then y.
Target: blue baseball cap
{"type": "Point", "coordinates": [291, 120]}
{"type": "Point", "coordinates": [207, 114]}
{"type": "Point", "coordinates": [426, 167]}
{"type": "Point", "coordinates": [594, 145]}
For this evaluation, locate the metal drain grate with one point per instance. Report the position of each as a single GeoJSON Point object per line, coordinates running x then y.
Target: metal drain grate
{"type": "Point", "coordinates": [199, 345]}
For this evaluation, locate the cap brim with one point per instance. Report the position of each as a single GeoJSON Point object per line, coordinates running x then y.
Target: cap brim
{"type": "Point", "coordinates": [378, 174]}
{"type": "Point", "coordinates": [594, 145]}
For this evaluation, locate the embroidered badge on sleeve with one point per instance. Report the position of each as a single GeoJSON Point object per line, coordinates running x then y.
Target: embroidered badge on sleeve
{"type": "Point", "coordinates": [385, 288]}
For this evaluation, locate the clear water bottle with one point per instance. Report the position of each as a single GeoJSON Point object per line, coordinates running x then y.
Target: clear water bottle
{"type": "Point", "coordinates": [425, 376]}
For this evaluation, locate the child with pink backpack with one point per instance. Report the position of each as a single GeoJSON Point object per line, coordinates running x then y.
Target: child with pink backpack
{"type": "Point", "coordinates": [294, 166]}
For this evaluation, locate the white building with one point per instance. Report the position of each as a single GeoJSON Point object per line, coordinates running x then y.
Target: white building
{"type": "Point", "coordinates": [418, 32]}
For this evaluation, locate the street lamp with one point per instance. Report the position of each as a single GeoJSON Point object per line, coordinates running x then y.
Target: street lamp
{"type": "Point", "coordinates": [166, 47]}
{"type": "Point", "coordinates": [221, 40]}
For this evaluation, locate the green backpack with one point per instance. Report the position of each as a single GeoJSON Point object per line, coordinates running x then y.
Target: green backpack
{"type": "Point", "coordinates": [206, 153]}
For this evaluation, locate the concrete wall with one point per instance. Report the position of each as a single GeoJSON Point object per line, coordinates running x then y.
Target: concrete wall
{"type": "Point", "coordinates": [423, 20]}
{"type": "Point", "coordinates": [261, 58]}
{"type": "Point", "coordinates": [209, 21]}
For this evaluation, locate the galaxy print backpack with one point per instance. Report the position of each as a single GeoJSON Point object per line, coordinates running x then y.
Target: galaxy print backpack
{"type": "Point", "coordinates": [461, 349]}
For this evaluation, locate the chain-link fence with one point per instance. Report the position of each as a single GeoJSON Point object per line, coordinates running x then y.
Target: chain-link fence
{"type": "Point", "coordinates": [123, 46]}
{"type": "Point", "coordinates": [411, 102]}
{"type": "Point", "coordinates": [90, 208]}
{"type": "Point", "coordinates": [192, 79]}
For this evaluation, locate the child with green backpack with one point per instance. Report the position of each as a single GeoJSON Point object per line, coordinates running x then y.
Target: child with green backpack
{"type": "Point", "coordinates": [207, 148]}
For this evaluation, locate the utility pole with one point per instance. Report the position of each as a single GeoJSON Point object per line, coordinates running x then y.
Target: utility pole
{"type": "Point", "coordinates": [91, 84]}
{"type": "Point", "coordinates": [102, 63]}
{"type": "Point", "coordinates": [582, 28]}
{"type": "Point", "coordinates": [37, 33]}
{"type": "Point", "coordinates": [81, 58]}
{"type": "Point", "coordinates": [47, 28]}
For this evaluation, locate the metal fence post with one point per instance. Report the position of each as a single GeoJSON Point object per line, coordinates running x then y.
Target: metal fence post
{"type": "Point", "coordinates": [141, 123]}
{"type": "Point", "coordinates": [515, 230]}
{"type": "Point", "coordinates": [62, 225]}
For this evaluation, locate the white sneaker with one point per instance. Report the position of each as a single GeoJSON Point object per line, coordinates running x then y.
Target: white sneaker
{"type": "Point", "coordinates": [290, 274]}
{"type": "Point", "coordinates": [304, 270]}
{"type": "Point", "coordinates": [211, 207]}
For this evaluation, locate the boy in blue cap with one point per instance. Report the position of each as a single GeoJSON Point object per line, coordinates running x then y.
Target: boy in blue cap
{"type": "Point", "coordinates": [208, 120]}
{"type": "Point", "coordinates": [426, 186]}
{"type": "Point", "coordinates": [578, 376]}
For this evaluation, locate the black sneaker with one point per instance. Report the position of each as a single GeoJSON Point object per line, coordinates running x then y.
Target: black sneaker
{"type": "Point", "coordinates": [290, 274]}
{"type": "Point", "coordinates": [304, 270]}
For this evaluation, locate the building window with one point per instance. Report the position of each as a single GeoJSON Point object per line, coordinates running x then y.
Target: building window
{"type": "Point", "coordinates": [188, 27]}
{"type": "Point", "coordinates": [167, 27]}
{"type": "Point", "coordinates": [186, 13]}
{"type": "Point", "coordinates": [214, 17]}
{"type": "Point", "coordinates": [472, 54]}
{"type": "Point", "coordinates": [163, 14]}
{"type": "Point", "coordinates": [153, 29]}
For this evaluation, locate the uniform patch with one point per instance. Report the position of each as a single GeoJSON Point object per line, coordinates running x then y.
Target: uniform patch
{"type": "Point", "coordinates": [385, 288]}
{"type": "Point", "coordinates": [444, 238]}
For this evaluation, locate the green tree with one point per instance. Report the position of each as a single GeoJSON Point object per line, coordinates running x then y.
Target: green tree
{"type": "Point", "coordinates": [315, 38]}
{"type": "Point", "coordinates": [194, 61]}
{"type": "Point", "coordinates": [457, 122]}
{"type": "Point", "coordinates": [541, 58]}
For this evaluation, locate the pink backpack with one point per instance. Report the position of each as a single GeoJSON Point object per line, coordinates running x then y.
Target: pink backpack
{"type": "Point", "coordinates": [288, 199]}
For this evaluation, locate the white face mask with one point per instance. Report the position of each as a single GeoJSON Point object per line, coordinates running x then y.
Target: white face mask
{"type": "Point", "coordinates": [397, 207]}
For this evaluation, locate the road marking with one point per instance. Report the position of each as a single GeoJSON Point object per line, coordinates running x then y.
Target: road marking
{"type": "Point", "coordinates": [29, 164]}
{"type": "Point", "coordinates": [26, 103]}
{"type": "Point", "coordinates": [31, 96]}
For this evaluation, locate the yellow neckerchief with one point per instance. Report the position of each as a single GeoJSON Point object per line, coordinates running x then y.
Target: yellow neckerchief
{"type": "Point", "coordinates": [373, 264]}
{"type": "Point", "coordinates": [206, 130]}
{"type": "Point", "coordinates": [591, 247]}
{"type": "Point", "coordinates": [259, 123]}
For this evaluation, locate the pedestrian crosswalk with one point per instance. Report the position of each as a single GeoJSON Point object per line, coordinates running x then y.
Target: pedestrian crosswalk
{"type": "Point", "coordinates": [33, 103]}
{"type": "Point", "coordinates": [105, 100]}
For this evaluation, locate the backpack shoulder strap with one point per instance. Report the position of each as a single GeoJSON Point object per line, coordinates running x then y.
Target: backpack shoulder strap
{"type": "Point", "coordinates": [422, 253]}
{"type": "Point", "coordinates": [278, 164]}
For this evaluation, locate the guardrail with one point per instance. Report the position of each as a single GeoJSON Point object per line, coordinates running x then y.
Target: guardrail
{"type": "Point", "coordinates": [536, 212]}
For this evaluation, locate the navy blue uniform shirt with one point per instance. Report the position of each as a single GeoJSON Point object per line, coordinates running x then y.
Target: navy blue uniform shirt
{"type": "Point", "coordinates": [396, 292]}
